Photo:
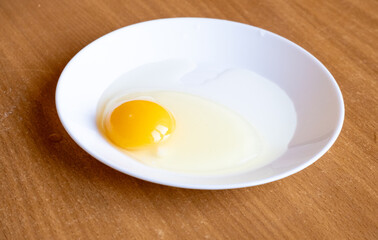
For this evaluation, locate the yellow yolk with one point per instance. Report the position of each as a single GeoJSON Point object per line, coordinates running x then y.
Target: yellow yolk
{"type": "Point", "coordinates": [138, 123]}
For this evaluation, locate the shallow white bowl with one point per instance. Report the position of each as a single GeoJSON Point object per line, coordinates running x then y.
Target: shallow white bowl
{"type": "Point", "coordinates": [315, 93]}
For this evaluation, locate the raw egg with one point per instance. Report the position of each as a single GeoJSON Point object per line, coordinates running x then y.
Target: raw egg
{"type": "Point", "coordinates": [158, 116]}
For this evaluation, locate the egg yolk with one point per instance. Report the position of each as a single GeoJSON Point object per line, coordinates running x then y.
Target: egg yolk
{"type": "Point", "coordinates": [138, 123]}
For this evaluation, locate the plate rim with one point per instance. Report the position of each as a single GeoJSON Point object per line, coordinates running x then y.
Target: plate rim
{"type": "Point", "coordinates": [332, 140]}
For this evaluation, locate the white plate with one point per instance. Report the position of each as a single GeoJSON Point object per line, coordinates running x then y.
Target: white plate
{"type": "Point", "coordinates": [315, 93]}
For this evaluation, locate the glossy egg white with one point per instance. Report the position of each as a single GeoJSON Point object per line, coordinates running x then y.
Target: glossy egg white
{"type": "Point", "coordinates": [209, 138]}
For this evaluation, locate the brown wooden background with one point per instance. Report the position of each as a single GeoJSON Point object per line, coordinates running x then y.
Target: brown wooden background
{"type": "Point", "coordinates": [51, 189]}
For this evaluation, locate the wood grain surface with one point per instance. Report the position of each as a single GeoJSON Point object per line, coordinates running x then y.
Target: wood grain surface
{"type": "Point", "coordinates": [51, 189]}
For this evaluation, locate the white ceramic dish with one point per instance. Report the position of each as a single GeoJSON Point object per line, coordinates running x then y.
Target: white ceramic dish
{"type": "Point", "coordinates": [315, 93]}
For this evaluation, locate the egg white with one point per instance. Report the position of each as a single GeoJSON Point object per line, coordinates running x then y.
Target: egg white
{"type": "Point", "coordinates": [217, 131]}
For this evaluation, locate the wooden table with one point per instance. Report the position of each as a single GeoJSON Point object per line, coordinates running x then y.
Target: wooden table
{"type": "Point", "coordinates": [51, 189]}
